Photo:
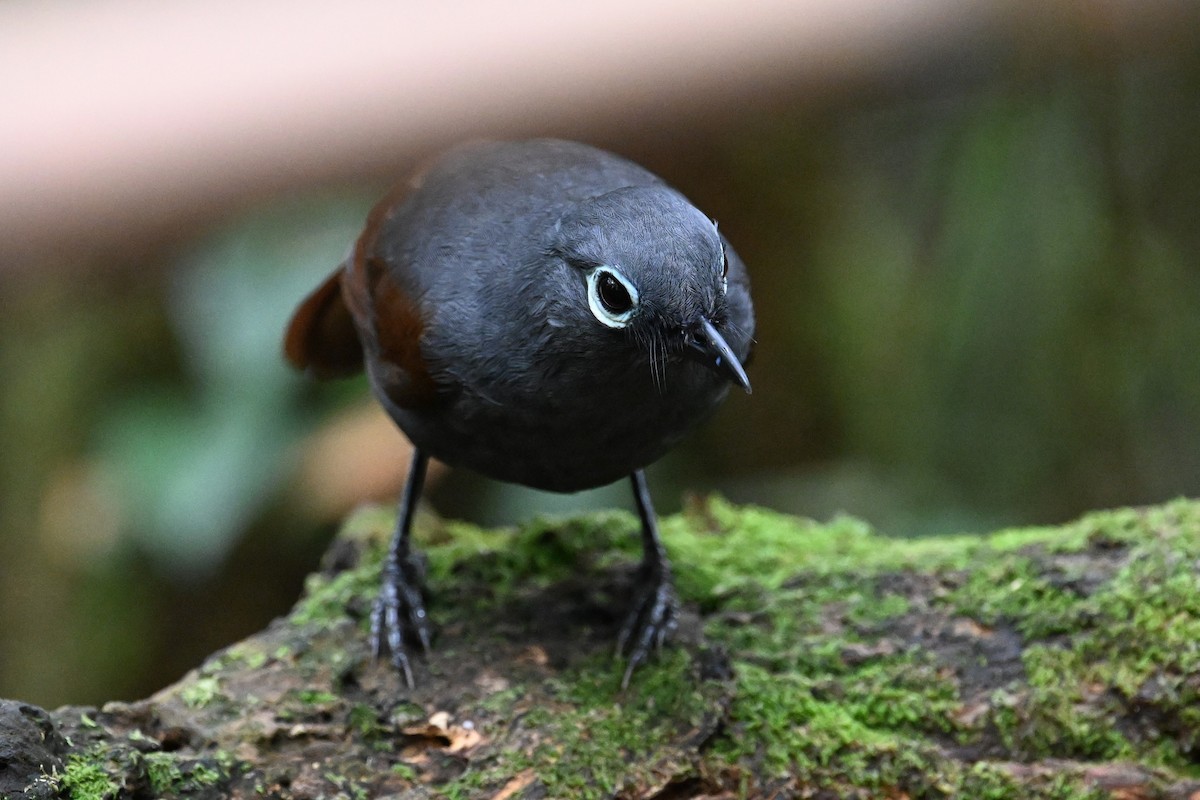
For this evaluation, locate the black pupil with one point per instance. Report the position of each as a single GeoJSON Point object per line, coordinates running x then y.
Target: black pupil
{"type": "Point", "coordinates": [613, 296]}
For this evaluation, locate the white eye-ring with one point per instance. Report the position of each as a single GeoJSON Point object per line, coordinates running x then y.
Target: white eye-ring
{"type": "Point", "coordinates": [611, 297]}
{"type": "Point", "coordinates": [724, 266]}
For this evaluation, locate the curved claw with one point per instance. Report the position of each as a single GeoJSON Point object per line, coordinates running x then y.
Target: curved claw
{"type": "Point", "coordinates": [399, 609]}
{"type": "Point", "coordinates": [650, 623]}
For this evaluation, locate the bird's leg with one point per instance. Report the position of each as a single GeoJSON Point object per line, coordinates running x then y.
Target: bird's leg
{"type": "Point", "coordinates": [399, 608]}
{"type": "Point", "coordinates": [653, 617]}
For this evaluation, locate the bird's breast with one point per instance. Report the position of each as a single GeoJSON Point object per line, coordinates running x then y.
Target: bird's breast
{"type": "Point", "coordinates": [567, 429]}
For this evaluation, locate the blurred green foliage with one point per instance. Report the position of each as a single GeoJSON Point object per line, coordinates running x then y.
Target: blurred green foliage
{"type": "Point", "coordinates": [994, 293]}
{"type": "Point", "coordinates": [979, 304]}
{"type": "Point", "coordinates": [196, 459]}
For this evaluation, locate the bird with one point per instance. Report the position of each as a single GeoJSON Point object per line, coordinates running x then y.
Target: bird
{"type": "Point", "coordinates": [544, 313]}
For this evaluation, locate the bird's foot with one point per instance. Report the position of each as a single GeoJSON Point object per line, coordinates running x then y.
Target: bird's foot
{"type": "Point", "coordinates": [652, 619]}
{"type": "Point", "coordinates": [399, 609]}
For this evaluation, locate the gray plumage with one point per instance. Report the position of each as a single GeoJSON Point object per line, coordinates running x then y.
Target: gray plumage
{"type": "Point", "coordinates": [544, 313]}
{"type": "Point", "coordinates": [493, 248]}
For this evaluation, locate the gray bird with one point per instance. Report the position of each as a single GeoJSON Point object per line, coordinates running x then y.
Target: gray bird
{"type": "Point", "coordinates": [544, 313]}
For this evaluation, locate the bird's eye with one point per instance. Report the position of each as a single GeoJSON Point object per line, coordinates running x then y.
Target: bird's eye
{"type": "Point", "coordinates": [724, 269]}
{"type": "Point", "coordinates": [611, 297]}
{"type": "Point", "coordinates": [724, 255]}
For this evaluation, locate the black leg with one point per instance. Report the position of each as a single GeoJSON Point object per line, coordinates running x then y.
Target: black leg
{"type": "Point", "coordinates": [653, 617]}
{"type": "Point", "coordinates": [399, 607]}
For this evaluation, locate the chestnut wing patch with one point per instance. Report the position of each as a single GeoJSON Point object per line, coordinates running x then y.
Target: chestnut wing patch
{"type": "Point", "coordinates": [321, 338]}
{"type": "Point", "coordinates": [362, 298]}
{"type": "Point", "coordinates": [402, 372]}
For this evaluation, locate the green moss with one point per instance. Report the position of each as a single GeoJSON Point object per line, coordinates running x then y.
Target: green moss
{"type": "Point", "coordinates": [1124, 644]}
{"type": "Point", "coordinates": [798, 595]}
{"type": "Point", "coordinates": [862, 666]}
{"type": "Point", "coordinates": [163, 772]}
{"type": "Point", "coordinates": [347, 789]}
{"type": "Point", "coordinates": [852, 732]}
{"type": "Point", "coordinates": [167, 774]}
{"type": "Point", "coordinates": [200, 692]}
{"type": "Point", "coordinates": [203, 775]}
{"type": "Point", "coordinates": [365, 721]}
{"type": "Point", "coordinates": [308, 704]}
{"type": "Point", "coordinates": [326, 598]}
{"type": "Point", "coordinates": [779, 722]}
{"type": "Point", "coordinates": [85, 778]}
{"type": "Point", "coordinates": [1010, 589]}
{"type": "Point", "coordinates": [503, 699]}
{"type": "Point", "coordinates": [782, 724]}
{"type": "Point", "coordinates": [833, 683]}
{"type": "Point", "coordinates": [594, 740]}
{"type": "Point", "coordinates": [987, 781]}
{"type": "Point", "coordinates": [597, 739]}
{"type": "Point", "coordinates": [469, 785]}
{"type": "Point", "coordinates": [315, 697]}
{"type": "Point", "coordinates": [542, 552]}
{"type": "Point", "coordinates": [1053, 718]}
{"type": "Point", "coordinates": [250, 657]}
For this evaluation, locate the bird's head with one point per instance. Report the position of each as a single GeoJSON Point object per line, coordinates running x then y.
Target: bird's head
{"type": "Point", "coordinates": [649, 266]}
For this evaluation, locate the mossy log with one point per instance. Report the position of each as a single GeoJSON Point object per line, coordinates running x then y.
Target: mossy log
{"type": "Point", "coordinates": [813, 660]}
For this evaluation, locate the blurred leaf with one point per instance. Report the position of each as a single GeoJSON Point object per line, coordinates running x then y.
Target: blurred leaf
{"type": "Point", "coordinates": [196, 469]}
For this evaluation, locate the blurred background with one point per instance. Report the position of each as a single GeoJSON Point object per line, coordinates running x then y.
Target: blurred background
{"type": "Point", "coordinates": [973, 231]}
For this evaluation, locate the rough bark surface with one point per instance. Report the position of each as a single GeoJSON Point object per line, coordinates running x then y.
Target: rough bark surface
{"type": "Point", "coordinates": [820, 661]}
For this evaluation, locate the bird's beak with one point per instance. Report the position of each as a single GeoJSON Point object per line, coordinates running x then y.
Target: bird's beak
{"type": "Point", "coordinates": [708, 347]}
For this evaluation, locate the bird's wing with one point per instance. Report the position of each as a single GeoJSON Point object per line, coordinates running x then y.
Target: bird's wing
{"type": "Point", "coordinates": [321, 338]}
{"type": "Point", "coordinates": [324, 337]}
